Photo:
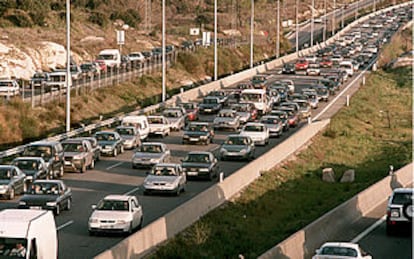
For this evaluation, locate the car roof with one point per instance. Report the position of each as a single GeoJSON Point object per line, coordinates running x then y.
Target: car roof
{"type": "Point", "coordinates": [152, 143]}
{"type": "Point", "coordinates": [403, 190]}
{"type": "Point", "coordinates": [43, 143]}
{"type": "Point", "coordinates": [48, 181]}
{"type": "Point", "coordinates": [117, 197]}
{"type": "Point", "coordinates": [199, 152]}
{"type": "Point", "coordinates": [28, 158]}
{"type": "Point", "coordinates": [341, 244]}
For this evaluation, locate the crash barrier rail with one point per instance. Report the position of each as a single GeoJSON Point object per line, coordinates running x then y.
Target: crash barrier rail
{"type": "Point", "coordinates": [303, 243]}
{"type": "Point", "coordinates": [175, 221]}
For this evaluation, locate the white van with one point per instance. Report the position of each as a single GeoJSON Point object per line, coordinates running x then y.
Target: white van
{"type": "Point", "coordinates": [57, 80]}
{"type": "Point", "coordinates": [258, 97]}
{"type": "Point", "coordinates": [111, 57]}
{"type": "Point", "coordinates": [35, 230]}
{"type": "Point", "coordinates": [347, 66]}
{"type": "Point", "coordinates": [140, 122]}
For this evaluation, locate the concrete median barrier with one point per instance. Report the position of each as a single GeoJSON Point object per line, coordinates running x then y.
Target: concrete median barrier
{"type": "Point", "coordinates": [185, 215]}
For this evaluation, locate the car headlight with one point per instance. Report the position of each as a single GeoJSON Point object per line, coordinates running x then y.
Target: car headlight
{"type": "Point", "coordinates": [186, 136]}
{"type": "Point", "coordinates": [154, 160]}
{"type": "Point", "coordinates": [128, 141]}
{"type": "Point", "coordinates": [51, 204]}
{"type": "Point", "coordinates": [121, 221]}
{"type": "Point", "coordinates": [93, 220]}
{"type": "Point", "coordinates": [203, 137]}
{"type": "Point", "coordinates": [29, 177]}
{"type": "Point", "coordinates": [108, 147]}
{"type": "Point", "coordinates": [243, 151]}
{"type": "Point", "coordinates": [185, 169]}
{"type": "Point", "coordinates": [169, 184]}
{"type": "Point", "coordinates": [2, 187]}
{"type": "Point", "coordinates": [223, 151]}
{"type": "Point", "coordinates": [77, 157]}
{"type": "Point", "coordinates": [395, 213]}
{"type": "Point", "coordinates": [23, 203]}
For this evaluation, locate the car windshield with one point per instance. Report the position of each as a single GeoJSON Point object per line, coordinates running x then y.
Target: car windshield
{"type": "Point", "coordinates": [44, 188]}
{"type": "Point", "coordinates": [38, 151]}
{"type": "Point", "coordinates": [113, 205]}
{"type": "Point", "coordinates": [105, 137]}
{"type": "Point", "coordinates": [197, 127]}
{"type": "Point", "coordinates": [164, 171]}
{"type": "Point", "coordinates": [269, 120]}
{"type": "Point", "coordinates": [151, 149]}
{"type": "Point", "coordinates": [402, 198]}
{"type": "Point", "coordinates": [5, 173]}
{"type": "Point", "coordinates": [236, 141]}
{"type": "Point", "coordinates": [198, 158]}
{"type": "Point", "coordinates": [26, 164]}
{"type": "Point", "coordinates": [210, 101]}
{"type": "Point", "coordinates": [188, 106]}
{"type": "Point", "coordinates": [252, 97]}
{"type": "Point", "coordinates": [155, 120]}
{"type": "Point", "coordinates": [125, 131]}
{"type": "Point", "coordinates": [256, 128]}
{"type": "Point", "coordinates": [171, 114]}
{"type": "Point", "coordinates": [240, 108]}
{"type": "Point", "coordinates": [339, 251]}
{"type": "Point", "coordinates": [72, 147]}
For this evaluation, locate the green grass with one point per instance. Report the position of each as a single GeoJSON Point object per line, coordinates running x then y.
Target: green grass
{"type": "Point", "coordinates": [291, 196]}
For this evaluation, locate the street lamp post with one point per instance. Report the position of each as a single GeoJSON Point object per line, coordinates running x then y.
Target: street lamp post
{"type": "Point", "coordinates": [324, 21]}
{"type": "Point", "coordinates": [333, 17]}
{"type": "Point", "coordinates": [251, 34]}
{"type": "Point", "coordinates": [356, 10]}
{"type": "Point", "coordinates": [312, 21]}
{"type": "Point", "coordinates": [163, 53]}
{"type": "Point", "coordinates": [297, 25]}
{"type": "Point", "coordinates": [68, 76]}
{"type": "Point", "coordinates": [342, 16]}
{"type": "Point", "coordinates": [215, 40]}
{"type": "Point", "coordinates": [278, 30]}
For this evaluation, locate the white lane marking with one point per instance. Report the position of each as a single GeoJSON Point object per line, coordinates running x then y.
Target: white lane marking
{"type": "Point", "coordinates": [131, 191]}
{"type": "Point", "coordinates": [369, 229]}
{"type": "Point", "coordinates": [343, 91]}
{"type": "Point", "coordinates": [70, 222]}
{"type": "Point", "coordinates": [115, 165]}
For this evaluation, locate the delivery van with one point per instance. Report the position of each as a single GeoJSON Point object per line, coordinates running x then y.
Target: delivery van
{"type": "Point", "coordinates": [111, 57]}
{"type": "Point", "coordinates": [33, 231]}
{"type": "Point", "coordinates": [140, 122]}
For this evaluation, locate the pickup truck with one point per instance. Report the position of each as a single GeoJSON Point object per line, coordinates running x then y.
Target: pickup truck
{"type": "Point", "coordinates": [78, 155]}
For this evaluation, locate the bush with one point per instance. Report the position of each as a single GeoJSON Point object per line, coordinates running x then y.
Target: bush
{"type": "Point", "coordinates": [57, 6]}
{"type": "Point", "coordinates": [130, 17]}
{"type": "Point", "coordinates": [38, 18]}
{"type": "Point", "coordinates": [19, 18]}
{"type": "Point", "coordinates": [5, 5]}
{"type": "Point", "coordinates": [98, 18]}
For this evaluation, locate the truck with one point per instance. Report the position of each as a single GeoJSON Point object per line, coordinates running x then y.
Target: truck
{"type": "Point", "coordinates": [35, 230]}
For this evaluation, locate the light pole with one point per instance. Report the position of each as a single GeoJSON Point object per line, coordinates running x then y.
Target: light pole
{"type": "Point", "coordinates": [297, 25]}
{"type": "Point", "coordinates": [312, 21]}
{"type": "Point", "coordinates": [251, 34]}
{"type": "Point", "coordinates": [68, 76]}
{"type": "Point", "coordinates": [278, 30]}
{"type": "Point", "coordinates": [356, 10]}
{"type": "Point", "coordinates": [333, 17]}
{"type": "Point", "coordinates": [215, 40]}
{"type": "Point", "coordinates": [163, 52]}
{"type": "Point", "coordinates": [374, 6]}
{"type": "Point", "coordinates": [342, 16]}
{"type": "Point", "coordinates": [324, 21]}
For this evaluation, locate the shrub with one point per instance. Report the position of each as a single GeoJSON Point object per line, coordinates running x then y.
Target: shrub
{"type": "Point", "coordinates": [98, 18]}
{"type": "Point", "coordinates": [57, 6]}
{"type": "Point", "coordinates": [130, 17]}
{"type": "Point", "coordinates": [5, 5]}
{"type": "Point", "coordinates": [38, 18]}
{"type": "Point", "coordinates": [19, 18]}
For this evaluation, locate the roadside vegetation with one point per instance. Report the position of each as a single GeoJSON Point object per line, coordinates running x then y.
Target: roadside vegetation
{"type": "Point", "coordinates": [375, 131]}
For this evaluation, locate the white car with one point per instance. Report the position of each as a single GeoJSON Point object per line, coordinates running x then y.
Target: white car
{"type": "Point", "coordinates": [313, 69]}
{"type": "Point", "coordinates": [257, 131]}
{"type": "Point", "coordinates": [159, 125]}
{"type": "Point", "coordinates": [175, 117]}
{"type": "Point", "coordinates": [136, 57]}
{"type": "Point", "coordinates": [339, 250]}
{"type": "Point", "coordinates": [150, 153]}
{"type": "Point", "coordinates": [290, 84]}
{"type": "Point", "coordinates": [116, 213]}
{"type": "Point", "coordinates": [9, 88]}
{"type": "Point", "coordinates": [165, 178]}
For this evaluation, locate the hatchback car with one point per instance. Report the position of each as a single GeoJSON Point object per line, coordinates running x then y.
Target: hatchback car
{"type": "Point", "coordinates": [337, 250]}
{"type": "Point", "coordinates": [274, 124]}
{"type": "Point", "coordinates": [175, 117]}
{"type": "Point", "coordinates": [33, 167]}
{"type": "Point", "coordinates": [257, 131]}
{"type": "Point", "coordinates": [227, 119]}
{"type": "Point", "coordinates": [159, 125]}
{"type": "Point", "coordinates": [110, 142]}
{"type": "Point", "coordinates": [198, 132]}
{"type": "Point", "coordinates": [149, 154]}
{"type": "Point", "coordinates": [400, 210]}
{"type": "Point", "coordinates": [51, 195]}
{"type": "Point", "coordinates": [130, 136]}
{"type": "Point", "coordinates": [116, 213]}
{"type": "Point", "coordinates": [237, 147]}
{"type": "Point", "coordinates": [210, 104]}
{"type": "Point", "coordinates": [199, 164]}
{"type": "Point", "coordinates": [12, 181]}
{"type": "Point", "coordinates": [165, 178]}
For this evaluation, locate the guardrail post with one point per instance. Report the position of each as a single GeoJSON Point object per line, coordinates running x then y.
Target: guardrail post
{"type": "Point", "coordinates": [23, 90]}
{"type": "Point", "coordinates": [363, 80]}
{"type": "Point", "coordinates": [33, 97]}
{"type": "Point", "coordinates": [221, 177]}
{"type": "Point", "coordinates": [347, 100]}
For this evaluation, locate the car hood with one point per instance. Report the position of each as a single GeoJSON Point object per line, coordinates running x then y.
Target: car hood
{"type": "Point", "coordinates": [106, 143]}
{"type": "Point", "coordinates": [147, 155]}
{"type": "Point", "coordinates": [111, 215]}
{"type": "Point", "coordinates": [160, 178]}
{"type": "Point", "coordinates": [39, 198]}
{"type": "Point", "coordinates": [195, 133]}
{"type": "Point", "coordinates": [127, 137]}
{"type": "Point", "coordinates": [71, 154]}
{"type": "Point", "coordinates": [223, 119]}
{"type": "Point", "coordinates": [4, 182]}
{"type": "Point", "coordinates": [195, 165]}
{"type": "Point", "coordinates": [234, 148]}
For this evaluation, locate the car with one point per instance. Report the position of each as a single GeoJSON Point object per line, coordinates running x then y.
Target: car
{"type": "Point", "coordinates": [159, 125]}
{"type": "Point", "coordinates": [187, 45]}
{"type": "Point", "coordinates": [245, 85]}
{"type": "Point", "coordinates": [52, 154]}
{"type": "Point", "coordinates": [274, 124]}
{"type": "Point", "coordinates": [130, 136]}
{"type": "Point", "coordinates": [89, 69]}
{"type": "Point", "coordinates": [95, 147]}
{"type": "Point", "coordinates": [175, 117]}
{"type": "Point", "coordinates": [198, 132]}
{"type": "Point", "coordinates": [75, 72]}
{"type": "Point", "coordinates": [246, 111]}
{"type": "Point", "coordinates": [322, 92]}
{"type": "Point", "coordinates": [150, 153]}
{"type": "Point", "coordinates": [313, 69]}
{"type": "Point", "coordinates": [136, 57]}
{"type": "Point", "coordinates": [12, 181]}
{"type": "Point", "coordinates": [283, 92]}
{"type": "Point", "coordinates": [165, 178]}
{"type": "Point", "coordinates": [227, 119]}
{"type": "Point", "coordinates": [260, 81]}
{"type": "Point", "coordinates": [237, 147]}
{"type": "Point", "coordinates": [78, 155]}
{"type": "Point", "coordinates": [312, 99]}
{"type": "Point", "coordinates": [257, 131]}
{"type": "Point", "coordinates": [283, 116]}
{"type": "Point", "coordinates": [33, 167]}
{"type": "Point", "coordinates": [210, 104]}
{"type": "Point", "coordinates": [293, 116]}
{"type": "Point", "coordinates": [288, 68]}
{"type": "Point", "coordinates": [199, 164]}
{"type": "Point", "coordinates": [38, 79]}
{"type": "Point", "coordinates": [110, 142]}
{"type": "Point", "coordinates": [305, 108]}
{"type": "Point", "coordinates": [289, 84]}
{"type": "Point", "coordinates": [222, 95]}
{"type": "Point", "coordinates": [191, 111]}
{"type": "Point", "coordinates": [9, 88]}
{"type": "Point", "coordinates": [51, 195]}
{"type": "Point", "coordinates": [310, 58]}
{"type": "Point", "coordinates": [116, 214]}
{"type": "Point", "coordinates": [301, 64]}
{"type": "Point", "coordinates": [101, 65]}
{"type": "Point", "coordinates": [339, 250]}
{"type": "Point", "coordinates": [233, 98]}
{"type": "Point", "coordinates": [147, 54]}
{"type": "Point", "coordinates": [400, 210]}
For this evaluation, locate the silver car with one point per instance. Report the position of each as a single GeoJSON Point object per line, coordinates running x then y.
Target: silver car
{"type": "Point", "coordinates": [165, 178]}
{"type": "Point", "coordinates": [130, 135]}
{"type": "Point", "coordinates": [149, 154]}
{"type": "Point", "coordinates": [12, 181]}
{"type": "Point", "coordinates": [175, 117]}
{"type": "Point", "coordinates": [116, 213]}
{"type": "Point", "coordinates": [274, 124]}
{"type": "Point", "coordinates": [33, 167]}
{"type": "Point", "coordinates": [228, 119]}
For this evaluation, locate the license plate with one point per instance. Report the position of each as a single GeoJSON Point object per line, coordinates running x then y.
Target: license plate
{"type": "Point", "coordinates": [207, 110]}
{"type": "Point", "coordinates": [68, 163]}
{"type": "Point", "coordinates": [35, 207]}
{"type": "Point", "coordinates": [193, 139]}
{"type": "Point", "coordinates": [192, 173]}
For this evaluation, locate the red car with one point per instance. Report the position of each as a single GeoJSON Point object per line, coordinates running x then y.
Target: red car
{"type": "Point", "coordinates": [301, 64]}
{"type": "Point", "coordinates": [326, 62]}
{"type": "Point", "coordinates": [191, 110]}
{"type": "Point", "coordinates": [101, 65]}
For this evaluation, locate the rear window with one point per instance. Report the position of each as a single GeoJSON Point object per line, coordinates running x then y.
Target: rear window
{"type": "Point", "coordinates": [402, 198]}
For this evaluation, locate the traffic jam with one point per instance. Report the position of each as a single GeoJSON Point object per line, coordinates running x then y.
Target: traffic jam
{"type": "Point", "coordinates": [119, 179]}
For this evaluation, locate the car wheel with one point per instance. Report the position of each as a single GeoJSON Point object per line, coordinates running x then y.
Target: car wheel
{"type": "Point", "coordinates": [92, 165]}
{"type": "Point", "coordinates": [130, 229]}
{"type": "Point", "coordinates": [98, 157]}
{"type": "Point", "coordinates": [134, 166]}
{"type": "Point", "coordinates": [115, 152]}
{"type": "Point", "coordinates": [389, 230]}
{"type": "Point", "coordinates": [11, 194]}
{"type": "Point", "coordinates": [24, 188]}
{"type": "Point", "coordinates": [122, 150]}
{"type": "Point", "coordinates": [91, 233]}
{"type": "Point", "coordinates": [69, 205]}
{"type": "Point", "coordinates": [178, 191]}
{"type": "Point", "coordinates": [57, 210]}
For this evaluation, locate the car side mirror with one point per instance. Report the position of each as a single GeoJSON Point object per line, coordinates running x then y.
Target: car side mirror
{"type": "Point", "coordinates": [93, 207]}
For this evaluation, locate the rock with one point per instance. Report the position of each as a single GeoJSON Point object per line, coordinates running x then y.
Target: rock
{"type": "Point", "coordinates": [348, 176]}
{"type": "Point", "coordinates": [328, 175]}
